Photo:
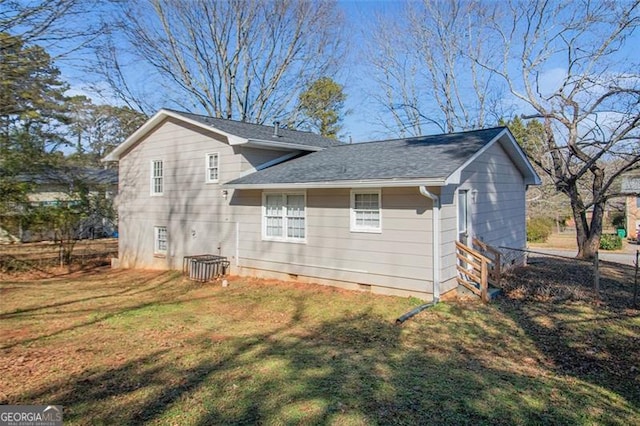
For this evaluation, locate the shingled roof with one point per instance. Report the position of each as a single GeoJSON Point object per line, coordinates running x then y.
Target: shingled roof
{"type": "Point", "coordinates": [261, 132]}
{"type": "Point", "coordinates": [429, 158]}
{"type": "Point", "coordinates": [236, 132]}
{"type": "Point", "coordinates": [66, 175]}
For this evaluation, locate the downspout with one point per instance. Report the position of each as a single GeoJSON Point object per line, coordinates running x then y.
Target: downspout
{"type": "Point", "coordinates": [435, 228]}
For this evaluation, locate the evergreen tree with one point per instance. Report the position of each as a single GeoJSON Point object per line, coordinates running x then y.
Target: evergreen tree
{"type": "Point", "coordinates": [32, 111]}
{"type": "Point", "coordinates": [321, 105]}
{"type": "Point", "coordinates": [32, 98]}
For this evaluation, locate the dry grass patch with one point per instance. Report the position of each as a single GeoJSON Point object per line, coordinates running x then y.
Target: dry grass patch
{"type": "Point", "coordinates": [128, 347]}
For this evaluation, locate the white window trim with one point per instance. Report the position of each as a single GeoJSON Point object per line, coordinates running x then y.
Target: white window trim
{"type": "Point", "coordinates": [467, 229]}
{"type": "Point", "coordinates": [207, 168]}
{"type": "Point", "coordinates": [284, 237]}
{"type": "Point", "coordinates": [152, 178]}
{"type": "Point", "coordinates": [156, 249]}
{"type": "Point", "coordinates": [353, 226]}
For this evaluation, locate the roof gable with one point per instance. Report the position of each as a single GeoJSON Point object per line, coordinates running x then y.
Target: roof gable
{"type": "Point", "coordinates": [236, 132]}
{"type": "Point", "coordinates": [434, 160]}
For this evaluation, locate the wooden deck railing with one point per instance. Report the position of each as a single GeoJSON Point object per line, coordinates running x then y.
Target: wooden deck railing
{"type": "Point", "coordinates": [476, 271]}
{"type": "Point", "coordinates": [495, 270]}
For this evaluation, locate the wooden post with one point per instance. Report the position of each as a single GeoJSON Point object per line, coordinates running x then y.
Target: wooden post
{"type": "Point", "coordinates": [484, 281]}
{"type": "Point", "coordinates": [635, 281]}
{"type": "Point", "coordinates": [596, 275]}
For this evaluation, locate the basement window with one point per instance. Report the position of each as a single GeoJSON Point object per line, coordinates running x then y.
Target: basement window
{"type": "Point", "coordinates": [160, 240]}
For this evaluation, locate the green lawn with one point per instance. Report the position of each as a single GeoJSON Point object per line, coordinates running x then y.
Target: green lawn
{"type": "Point", "coordinates": [118, 347]}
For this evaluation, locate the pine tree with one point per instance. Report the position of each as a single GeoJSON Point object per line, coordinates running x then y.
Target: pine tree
{"type": "Point", "coordinates": [321, 106]}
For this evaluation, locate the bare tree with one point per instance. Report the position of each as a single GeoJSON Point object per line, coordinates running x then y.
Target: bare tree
{"type": "Point", "coordinates": [568, 64]}
{"type": "Point", "coordinates": [59, 26]}
{"type": "Point", "coordinates": [241, 59]}
{"type": "Point", "coordinates": [422, 67]}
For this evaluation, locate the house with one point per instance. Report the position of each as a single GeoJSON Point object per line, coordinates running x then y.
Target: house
{"type": "Point", "coordinates": [56, 185]}
{"type": "Point", "coordinates": [381, 216]}
{"type": "Point", "coordinates": [631, 187]}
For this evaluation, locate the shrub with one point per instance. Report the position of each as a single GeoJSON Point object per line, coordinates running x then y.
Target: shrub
{"type": "Point", "coordinates": [539, 229]}
{"type": "Point", "coordinates": [610, 242]}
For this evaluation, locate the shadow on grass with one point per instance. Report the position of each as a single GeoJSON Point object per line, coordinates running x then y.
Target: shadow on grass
{"type": "Point", "coordinates": [595, 340]}
{"type": "Point", "coordinates": [355, 369]}
{"type": "Point", "coordinates": [107, 309]}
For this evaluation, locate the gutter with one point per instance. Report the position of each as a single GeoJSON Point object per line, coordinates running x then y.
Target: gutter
{"type": "Point", "coordinates": [372, 183]}
{"type": "Point", "coordinates": [436, 256]}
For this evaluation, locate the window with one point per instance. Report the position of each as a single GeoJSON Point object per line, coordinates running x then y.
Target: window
{"type": "Point", "coordinates": [284, 217]}
{"type": "Point", "coordinates": [638, 202]}
{"type": "Point", "coordinates": [365, 211]}
{"type": "Point", "coordinates": [157, 177]}
{"type": "Point", "coordinates": [213, 168]}
{"type": "Point", "coordinates": [160, 240]}
{"type": "Point", "coordinates": [462, 212]}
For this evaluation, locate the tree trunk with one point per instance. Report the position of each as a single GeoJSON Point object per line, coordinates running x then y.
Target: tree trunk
{"type": "Point", "coordinates": [588, 234]}
{"type": "Point", "coordinates": [582, 230]}
{"type": "Point", "coordinates": [595, 231]}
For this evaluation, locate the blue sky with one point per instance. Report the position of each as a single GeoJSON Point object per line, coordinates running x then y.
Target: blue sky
{"type": "Point", "coordinates": [360, 124]}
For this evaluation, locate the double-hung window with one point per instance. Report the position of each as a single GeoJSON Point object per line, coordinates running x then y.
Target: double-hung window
{"type": "Point", "coordinates": [160, 239]}
{"type": "Point", "coordinates": [157, 177]}
{"type": "Point", "coordinates": [284, 217]}
{"type": "Point", "coordinates": [366, 213]}
{"type": "Point", "coordinates": [213, 167]}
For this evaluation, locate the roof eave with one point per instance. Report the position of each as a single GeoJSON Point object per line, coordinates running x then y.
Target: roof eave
{"type": "Point", "coordinates": [157, 118]}
{"type": "Point", "coordinates": [371, 183]}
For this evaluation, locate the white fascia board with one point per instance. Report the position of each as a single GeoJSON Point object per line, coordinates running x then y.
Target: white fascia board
{"type": "Point", "coordinates": [157, 118]}
{"type": "Point", "coordinates": [282, 145]}
{"type": "Point", "coordinates": [513, 150]}
{"type": "Point", "coordinates": [390, 183]}
{"type": "Point", "coordinates": [517, 154]}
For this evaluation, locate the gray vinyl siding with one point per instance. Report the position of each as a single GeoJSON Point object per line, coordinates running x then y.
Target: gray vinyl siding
{"type": "Point", "coordinates": [253, 157]}
{"type": "Point", "coordinates": [197, 216]}
{"type": "Point", "coordinates": [399, 257]}
{"type": "Point", "coordinates": [498, 215]}
{"type": "Point", "coordinates": [448, 237]}
{"type": "Point", "coordinates": [200, 219]}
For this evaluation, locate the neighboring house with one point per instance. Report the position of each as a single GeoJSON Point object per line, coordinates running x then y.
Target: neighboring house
{"type": "Point", "coordinates": [53, 186]}
{"type": "Point", "coordinates": [382, 216]}
{"type": "Point", "coordinates": [631, 187]}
